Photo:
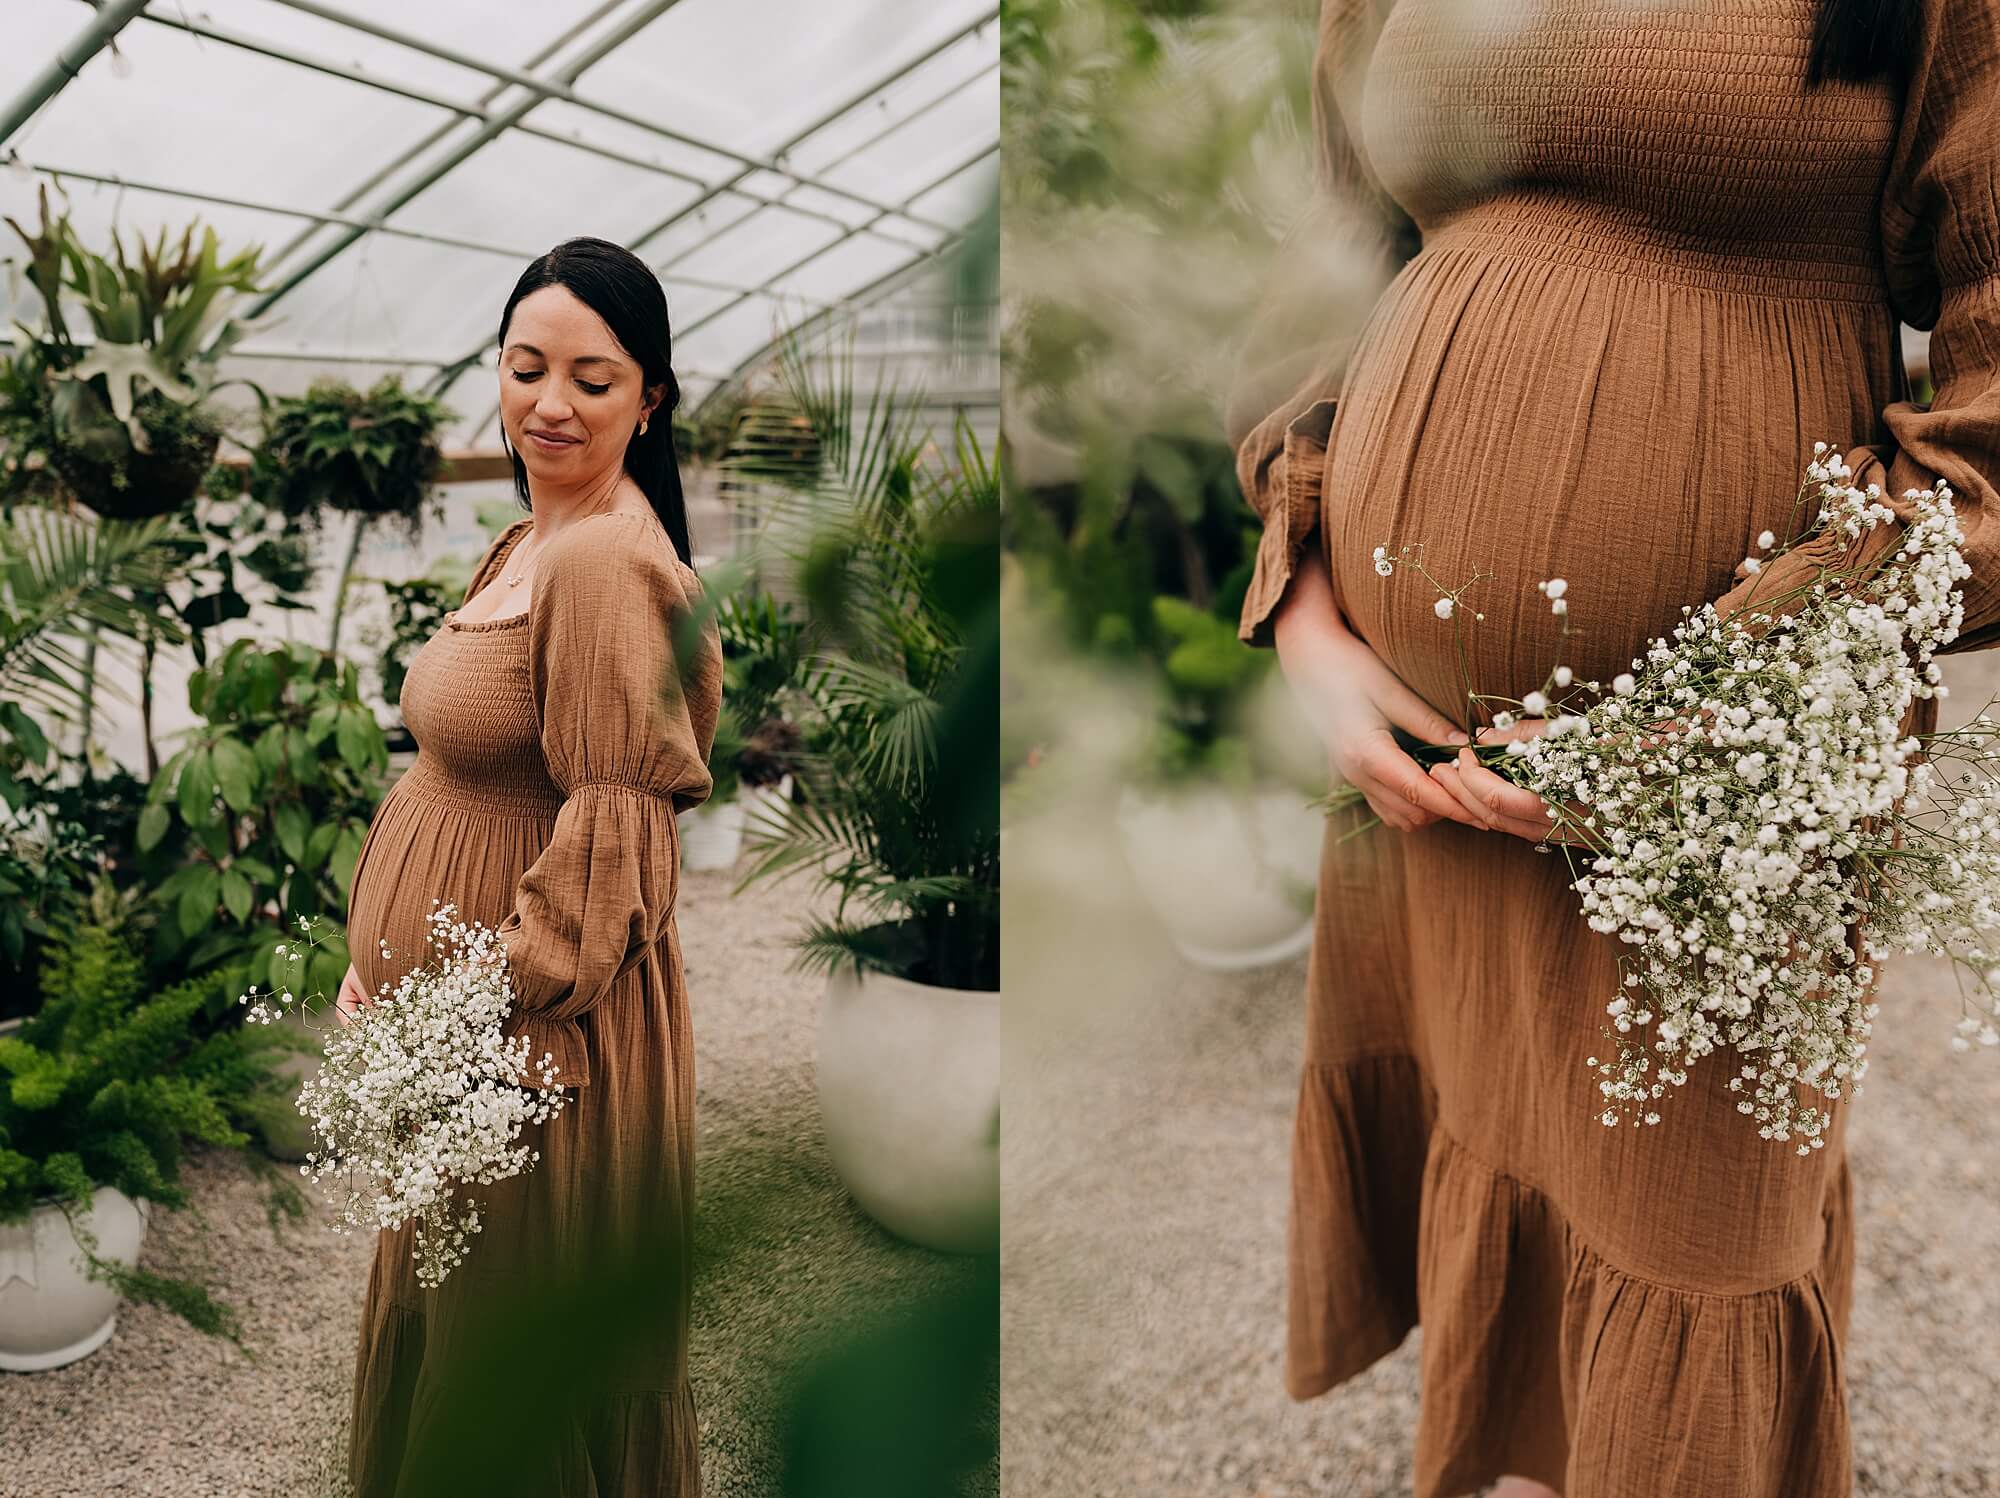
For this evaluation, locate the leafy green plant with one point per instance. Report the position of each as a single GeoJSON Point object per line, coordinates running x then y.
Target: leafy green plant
{"type": "Point", "coordinates": [70, 587]}
{"type": "Point", "coordinates": [129, 429]}
{"type": "Point", "coordinates": [271, 799]}
{"type": "Point", "coordinates": [897, 810]}
{"type": "Point", "coordinates": [46, 862]}
{"type": "Point", "coordinates": [374, 453]}
{"type": "Point", "coordinates": [766, 648]}
{"type": "Point", "coordinates": [416, 612]}
{"type": "Point", "coordinates": [107, 1084]}
{"type": "Point", "coordinates": [704, 436]}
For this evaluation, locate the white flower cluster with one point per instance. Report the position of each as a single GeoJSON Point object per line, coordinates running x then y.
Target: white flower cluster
{"type": "Point", "coordinates": [1765, 816]}
{"type": "Point", "coordinates": [1756, 824]}
{"type": "Point", "coordinates": [418, 1095]}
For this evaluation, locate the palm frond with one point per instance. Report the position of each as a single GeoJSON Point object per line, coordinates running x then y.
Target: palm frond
{"type": "Point", "coordinates": [60, 575]}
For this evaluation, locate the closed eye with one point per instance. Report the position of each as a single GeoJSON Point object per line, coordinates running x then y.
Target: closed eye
{"type": "Point", "coordinates": [527, 377]}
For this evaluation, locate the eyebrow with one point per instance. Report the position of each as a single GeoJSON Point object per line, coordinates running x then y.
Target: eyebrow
{"type": "Point", "coordinates": [586, 359]}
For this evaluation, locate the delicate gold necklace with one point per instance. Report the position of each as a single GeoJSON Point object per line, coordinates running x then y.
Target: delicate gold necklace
{"type": "Point", "coordinates": [514, 580]}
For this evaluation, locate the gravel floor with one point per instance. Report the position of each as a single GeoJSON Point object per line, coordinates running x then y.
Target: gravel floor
{"type": "Point", "coordinates": [163, 1411]}
{"type": "Point", "coordinates": [1149, 1110]}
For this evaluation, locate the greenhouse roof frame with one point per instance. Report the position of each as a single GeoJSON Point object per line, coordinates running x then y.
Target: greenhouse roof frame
{"type": "Point", "coordinates": [827, 237]}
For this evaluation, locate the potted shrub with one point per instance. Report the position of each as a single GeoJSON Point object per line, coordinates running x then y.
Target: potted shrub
{"type": "Point", "coordinates": [712, 833]}
{"type": "Point", "coordinates": [1143, 563]}
{"type": "Point", "coordinates": [1223, 847]}
{"type": "Point", "coordinates": [105, 1086]}
{"type": "Point", "coordinates": [896, 811]}
{"type": "Point", "coordinates": [764, 648]}
{"type": "Point", "coordinates": [128, 428]}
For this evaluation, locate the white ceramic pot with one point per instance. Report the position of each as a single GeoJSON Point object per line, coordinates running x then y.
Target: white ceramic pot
{"type": "Point", "coordinates": [768, 801]}
{"type": "Point", "coordinates": [909, 1093]}
{"type": "Point", "coordinates": [1231, 875]}
{"type": "Point", "coordinates": [711, 835]}
{"type": "Point", "coordinates": [51, 1311]}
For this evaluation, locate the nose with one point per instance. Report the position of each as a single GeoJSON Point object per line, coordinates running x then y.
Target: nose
{"type": "Point", "coordinates": [550, 412]}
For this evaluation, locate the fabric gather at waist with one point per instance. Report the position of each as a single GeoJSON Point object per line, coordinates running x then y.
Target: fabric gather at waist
{"type": "Point", "coordinates": [1561, 229]}
{"type": "Point", "coordinates": [532, 794]}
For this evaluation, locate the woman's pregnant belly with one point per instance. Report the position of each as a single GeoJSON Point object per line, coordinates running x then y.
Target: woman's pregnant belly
{"type": "Point", "coordinates": [431, 844]}
{"type": "Point", "coordinates": [1520, 419]}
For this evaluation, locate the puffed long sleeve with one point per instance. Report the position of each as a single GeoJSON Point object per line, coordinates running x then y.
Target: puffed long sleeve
{"type": "Point", "coordinates": [1329, 271]}
{"type": "Point", "coordinates": [1940, 229]}
{"type": "Point", "coordinates": [626, 732]}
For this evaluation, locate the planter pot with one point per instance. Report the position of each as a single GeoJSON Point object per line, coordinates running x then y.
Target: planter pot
{"type": "Point", "coordinates": [1230, 874]}
{"type": "Point", "coordinates": [909, 1088]}
{"type": "Point", "coordinates": [712, 836]}
{"type": "Point", "coordinates": [765, 803]}
{"type": "Point", "coordinates": [51, 1312]}
{"type": "Point", "coordinates": [156, 483]}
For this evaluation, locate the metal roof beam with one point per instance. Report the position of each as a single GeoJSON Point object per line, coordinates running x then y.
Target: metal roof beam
{"type": "Point", "coordinates": [317, 217]}
{"type": "Point", "coordinates": [67, 63]}
{"type": "Point", "coordinates": [838, 112]}
{"type": "Point", "coordinates": [784, 198]}
{"type": "Point", "coordinates": [805, 260]}
{"type": "Point", "coordinates": [563, 88]}
{"type": "Point", "coordinates": [457, 107]}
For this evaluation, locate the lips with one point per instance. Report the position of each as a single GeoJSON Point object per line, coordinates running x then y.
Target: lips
{"type": "Point", "coordinates": [550, 439]}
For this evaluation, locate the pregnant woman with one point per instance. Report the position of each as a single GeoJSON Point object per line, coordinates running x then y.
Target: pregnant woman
{"type": "Point", "coordinates": [1623, 264]}
{"type": "Point", "coordinates": [558, 737]}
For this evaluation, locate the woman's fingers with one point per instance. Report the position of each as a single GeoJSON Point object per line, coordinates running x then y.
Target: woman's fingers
{"type": "Point", "coordinates": [1536, 827]}
{"type": "Point", "coordinates": [1443, 774]}
{"type": "Point", "coordinates": [1495, 792]}
{"type": "Point", "coordinates": [1404, 708]}
{"type": "Point", "coordinates": [1402, 778]}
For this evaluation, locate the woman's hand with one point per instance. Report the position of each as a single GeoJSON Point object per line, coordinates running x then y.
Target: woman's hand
{"type": "Point", "coordinates": [1500, 804]}
{"type": "Point", "coordinates": [347, 1003]}
{"type": "Point", "coordinates": [1507, 807]}
{"type": "Point", "coordinates": [1352, 700]}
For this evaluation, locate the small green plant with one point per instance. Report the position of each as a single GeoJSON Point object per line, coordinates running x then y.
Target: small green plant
{"type": "Point", "coordinates": [106, 1085]}
{"type": "Point", "coordinates": [416, 612]}
{"type": "Point", "coordinates": [271, 797]}
{"type": "Point", "coordinates": [766, 648]}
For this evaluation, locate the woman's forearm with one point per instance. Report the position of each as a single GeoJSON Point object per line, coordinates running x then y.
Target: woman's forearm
{"type": "Point", "coordinates": [1308, 616]}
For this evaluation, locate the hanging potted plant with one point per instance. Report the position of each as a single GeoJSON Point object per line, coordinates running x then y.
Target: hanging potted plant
{"type": "Point", "coordinates": [897, 806]}
{"type": "Point", "coordinates": [373, 455]}
{"type": "Point", "coordinates": [129, 429]}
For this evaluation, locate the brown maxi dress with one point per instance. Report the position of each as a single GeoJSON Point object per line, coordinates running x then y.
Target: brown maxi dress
{"type": "Point", "coordinates": [1621, 272]}
{"type": "Point", "coordinates": [556, 745]}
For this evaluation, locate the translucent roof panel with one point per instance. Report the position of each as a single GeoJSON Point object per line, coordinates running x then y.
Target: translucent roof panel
{"type": "Point", "coordinates": [400, 164]}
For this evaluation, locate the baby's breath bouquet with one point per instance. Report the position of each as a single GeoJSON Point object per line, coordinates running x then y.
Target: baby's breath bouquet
{"type": "Point", "coordinates": [1745, 796]}
{"type": "Point", "coordinates": [420, 1095]}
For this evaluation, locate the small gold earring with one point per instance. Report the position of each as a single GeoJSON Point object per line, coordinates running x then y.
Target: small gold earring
{"type": "Point", "coordinates": [642, 426]}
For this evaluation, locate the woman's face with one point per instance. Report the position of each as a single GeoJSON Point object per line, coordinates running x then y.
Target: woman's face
{"type": "Point", "coordinates": [563, 373]}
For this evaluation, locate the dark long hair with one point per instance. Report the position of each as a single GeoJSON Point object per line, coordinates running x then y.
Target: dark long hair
{"type": "Point", "coordinates": [1858, 39]}
{"type": "Point", "coordinates": [620, 288]}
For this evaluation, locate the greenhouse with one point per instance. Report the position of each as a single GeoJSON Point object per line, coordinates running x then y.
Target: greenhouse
{"type": "Point", "coordinates": [265, 498]}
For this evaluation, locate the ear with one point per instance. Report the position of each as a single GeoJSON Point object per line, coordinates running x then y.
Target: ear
{"type": "Point", "coordinates": [650, 402]}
